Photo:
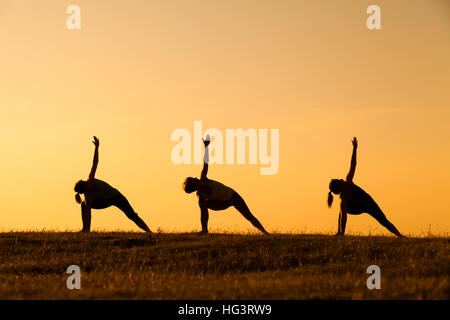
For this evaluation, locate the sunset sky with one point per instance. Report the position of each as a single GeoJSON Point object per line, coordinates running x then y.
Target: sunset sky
{"type": "Point", "coordinates": [140, 69]}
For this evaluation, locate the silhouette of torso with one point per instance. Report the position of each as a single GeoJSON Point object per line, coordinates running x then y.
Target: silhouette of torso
{"type": "Point", "coordinates": [217, 191]}
{"type": "Point", "coordinates": [101, 194]}
{"type": "Point", "coordinates": [358, 200]}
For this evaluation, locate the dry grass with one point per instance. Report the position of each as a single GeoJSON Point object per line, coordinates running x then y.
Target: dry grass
{"type": "Point", "coordinates": [189, 266]}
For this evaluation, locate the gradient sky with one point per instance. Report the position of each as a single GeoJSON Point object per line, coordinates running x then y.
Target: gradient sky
{"type": "Point", "coordinates": [137, 70]}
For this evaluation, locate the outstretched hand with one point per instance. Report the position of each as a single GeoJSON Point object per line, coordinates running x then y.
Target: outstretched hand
{"type": "Point", "coordinates": [355, 142]}
{"type": "Point", "coordinates": [96, 142]}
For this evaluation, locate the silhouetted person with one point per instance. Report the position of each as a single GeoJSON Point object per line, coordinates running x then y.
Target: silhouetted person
{"type": "Point", "coordinates": [216, 196]}
{"type": "Point", "coordinates": [355, 200]}
{"type": "Point", "coordinates": [100, 195]}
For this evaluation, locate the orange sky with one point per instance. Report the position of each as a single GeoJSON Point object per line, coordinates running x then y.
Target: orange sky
{"type": "Point", "coordinates": [138, 70]}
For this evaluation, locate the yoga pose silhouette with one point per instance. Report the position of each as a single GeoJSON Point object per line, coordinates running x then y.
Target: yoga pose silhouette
{"type": "Point", "coordinates": [216, 196]}
{"type": "Point", "coordinates": [355, 200]}
{"type": "Point", "coordinates": [100, 195]}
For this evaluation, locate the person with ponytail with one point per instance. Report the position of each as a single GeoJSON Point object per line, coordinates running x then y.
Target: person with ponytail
{"type": "Point", "coordinates": [355, 200]}
{"type": "Point", "coordinates": [100, 195]}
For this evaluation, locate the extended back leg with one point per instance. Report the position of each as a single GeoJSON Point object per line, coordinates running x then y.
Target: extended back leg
{"type": "Point", "coordinates": [242, 207]}
{"type": "Point", "coordinates": [381, 218]}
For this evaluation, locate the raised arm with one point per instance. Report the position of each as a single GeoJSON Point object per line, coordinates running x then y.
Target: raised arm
{"type": "Point", "coordinates": [96, 142]}
{"type": "Point", "coordinates": [351, 173]}
{"type": "Point", "coordinates": [205, 159]}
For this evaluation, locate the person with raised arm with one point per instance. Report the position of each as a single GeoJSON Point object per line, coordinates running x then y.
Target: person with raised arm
{"type": "Point", "coordinates": [100, 195]}
{"type": "Point", "coordinates": [355, 200]}
{"type": "Point", "coordinates": [216, 196]}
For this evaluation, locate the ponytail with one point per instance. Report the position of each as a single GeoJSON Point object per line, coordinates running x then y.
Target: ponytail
{"type": "Point", "coordinates": [78, 198]}
{"type": "Point", "coordinates": [330, 199]}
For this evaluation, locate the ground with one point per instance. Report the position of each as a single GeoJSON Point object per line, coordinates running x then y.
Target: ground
{"type": "Point", "coordinates": [221, 266]}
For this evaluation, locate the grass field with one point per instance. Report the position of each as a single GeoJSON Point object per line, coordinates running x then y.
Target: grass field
{"type": "Point", "coordinates": [190, 266]}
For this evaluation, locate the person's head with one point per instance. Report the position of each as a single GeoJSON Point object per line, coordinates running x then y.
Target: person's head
{"type": "Point", "coordinates": [190, 184]}
{"type": "Point", "coordinates": [79, 189]}
{"type": "Point", "coordinates": [335, 186]}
